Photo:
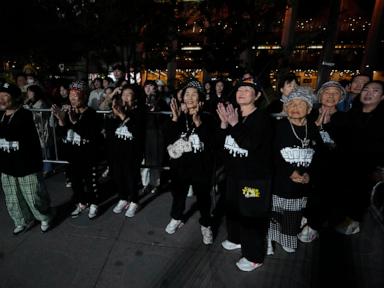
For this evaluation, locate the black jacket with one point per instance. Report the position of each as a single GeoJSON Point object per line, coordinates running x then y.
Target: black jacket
{"type": "Point", "coordinates": [20, 150]}
{"type": "Point", "coordinates": [196, 165]}
{"type": "Point", "coordinates": [253, 135]}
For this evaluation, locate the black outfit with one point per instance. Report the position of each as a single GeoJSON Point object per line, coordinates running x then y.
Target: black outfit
{"type": "Point", "coordinates": [154, 148]}
{"type": "Point", "coordinates": [247, 152]}
{"type": "Point", "coordinates": [80, 141]}
{"type": "Point", "coordinates": [194, 167]}
{"type": "Point", "coordinates": [289, 198]}
{"type": "Point", "coordinates": [276, 106]}
{"type": "Point", "coordinates": [284, 138]}
{"type": "Point", "coordinates": [363, 152]}
{"type": "Point", "coordinates": [325, 200]}
{"type": "Point", "coordinates": [126, 146]}
{"type": "Point", "coordinates": [24, 157]}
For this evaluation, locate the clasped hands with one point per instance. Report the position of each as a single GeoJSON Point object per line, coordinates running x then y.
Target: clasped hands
{"type": "Point", "coordinates": [227, 115]}
{"type": "Point", "coordinates": [298, 178]}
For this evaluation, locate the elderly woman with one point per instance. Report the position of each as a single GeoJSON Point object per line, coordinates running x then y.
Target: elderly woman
{"type": "Point", "coordinates": [78, 124]}
{"type": "Point", "coordinates": [246, 134]}
{"type": "Point", "coordinates": [125, 136]}
{"type": "Point", "coordinates": [21, 163]}
{"type": "Point", "coordinates": [295, 143]}
{"type": "Point", "coordinates": [190, 145]}
{"type": "Point", "coordinates": [324, 201]}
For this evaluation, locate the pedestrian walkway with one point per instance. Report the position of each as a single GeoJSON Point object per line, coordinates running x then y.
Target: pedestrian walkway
{"type": "Point", "coordinates": [115, 251]}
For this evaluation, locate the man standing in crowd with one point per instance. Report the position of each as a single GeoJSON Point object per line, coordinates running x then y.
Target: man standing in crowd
{"type": "Point", "coordinates": [354, 89]}
{"type": "Point", "coordinates": [119, 74]}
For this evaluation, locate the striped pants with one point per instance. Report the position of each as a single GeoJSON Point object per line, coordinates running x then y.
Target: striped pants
{"type": "Point", "coordinates": [26, 198]}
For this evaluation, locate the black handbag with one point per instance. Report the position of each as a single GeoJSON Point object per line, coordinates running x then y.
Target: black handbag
{"type": "Point", "coordinates": [255, 197]}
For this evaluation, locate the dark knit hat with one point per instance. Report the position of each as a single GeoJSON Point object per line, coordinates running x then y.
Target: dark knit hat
{"type": "Point", "coordinates": [11, 89]}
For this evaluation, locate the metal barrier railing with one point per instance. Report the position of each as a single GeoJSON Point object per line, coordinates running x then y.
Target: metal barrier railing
{"type": "Point", "coordinates": [50, 141]}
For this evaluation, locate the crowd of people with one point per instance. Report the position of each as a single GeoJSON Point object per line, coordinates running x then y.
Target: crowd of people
{"type": "Point", "coordinates": [292, 167]}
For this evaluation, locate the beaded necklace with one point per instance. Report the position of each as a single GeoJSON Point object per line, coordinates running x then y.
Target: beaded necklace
{"type": "Point", "coordinates": [305, 141]}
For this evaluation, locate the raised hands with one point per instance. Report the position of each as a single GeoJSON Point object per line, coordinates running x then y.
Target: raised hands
{"type": "Point", "coordinates": [117, 110]}
{"type": "Point", "coordinates": [176, 110]}
{"type": "Point", "coordinates": [325, 114]}
{"type": "Point", "coordinates": [196, 115]}
{"type": "Point", "coordinates": [222, 112]}
{"type": "Point", "coordinates": [232, 115]}
{"type": "Point", "coordinates": [228, 115]}
{"type": "Point", "coordinates": [58, 113]}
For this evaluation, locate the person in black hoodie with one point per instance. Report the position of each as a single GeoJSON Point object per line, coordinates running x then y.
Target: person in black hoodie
{"type": "Point", "coordinates": [125, 136]}
{"type": "Point", "coordinates": [363, 155]}
{"type": "Point", "coordinates": [246, 134]}
{"type": "Point", "coordinates": [189, 145]}
{"type": "Point", "coordinates": [21, 163]}
{"type": "Point", "coordinates": [78, 124]}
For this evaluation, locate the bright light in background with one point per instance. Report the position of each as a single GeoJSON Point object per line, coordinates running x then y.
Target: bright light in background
{"type": "Point", "coordinates": [274, 47]}
{"type": "Point", "coordinates": [315, 47]}
{"type": "Point", "coordinates": [186, 48]}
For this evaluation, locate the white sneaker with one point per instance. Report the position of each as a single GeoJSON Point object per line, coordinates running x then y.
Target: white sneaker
{"type": "Point", "coordinates": [105, 173]}
{"type": "Point", "coordinates": [68, 184]}
{"type": "Point", "coordinates": [79, 208]}
{"type": "Point", "coordinates": [270, 250]}
{"type": "Point", "coordinates": [288, 249]}
{"type": "Point", "coordinates": [132, 210]}
{"type": "Point", "coordinates": [154, 190]}
{"type": "Point", "coordinates": [44, 226]}
{"type": "Point", "coordinates": [348, 227]}
{"type": "Point", "coordinates": [190, 191]}
{"type": "Point", "coordinates": [18, 229]}
{"type": "Point", "coordinates": [92, 211]}
{"type": "Point", "coordinates": [228, 245]}
{"type": "Point", "coordinates": [245, 265]}
{"type": "Point", "coordinates": [207, 235]}
{"type": "Point", "coordinates": [21, 228]}
{"type": "Point", "coordinates": [173, 225]}
{"type": "Point", "coordinates": [121, 205]}
{"type": "Point", "coordinates": [353, 228]}
{"type": "Point", "coordinates": [308, 234]}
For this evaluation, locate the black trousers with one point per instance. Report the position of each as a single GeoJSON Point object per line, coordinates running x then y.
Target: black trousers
{"type": "Point", "coordinates": [126, 177]}
{"type": "Point", "coordinates": [251, 233]}
{"type": "Point", "coordinates": [202, 190]}
{"type": "Point", "coordinates": [84, 182]}
{"type": "Point", "coordinates": [319, 209]}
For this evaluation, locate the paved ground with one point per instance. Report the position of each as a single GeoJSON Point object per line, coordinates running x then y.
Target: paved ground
{"type": "Point", "coordinates": [114, 251]}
